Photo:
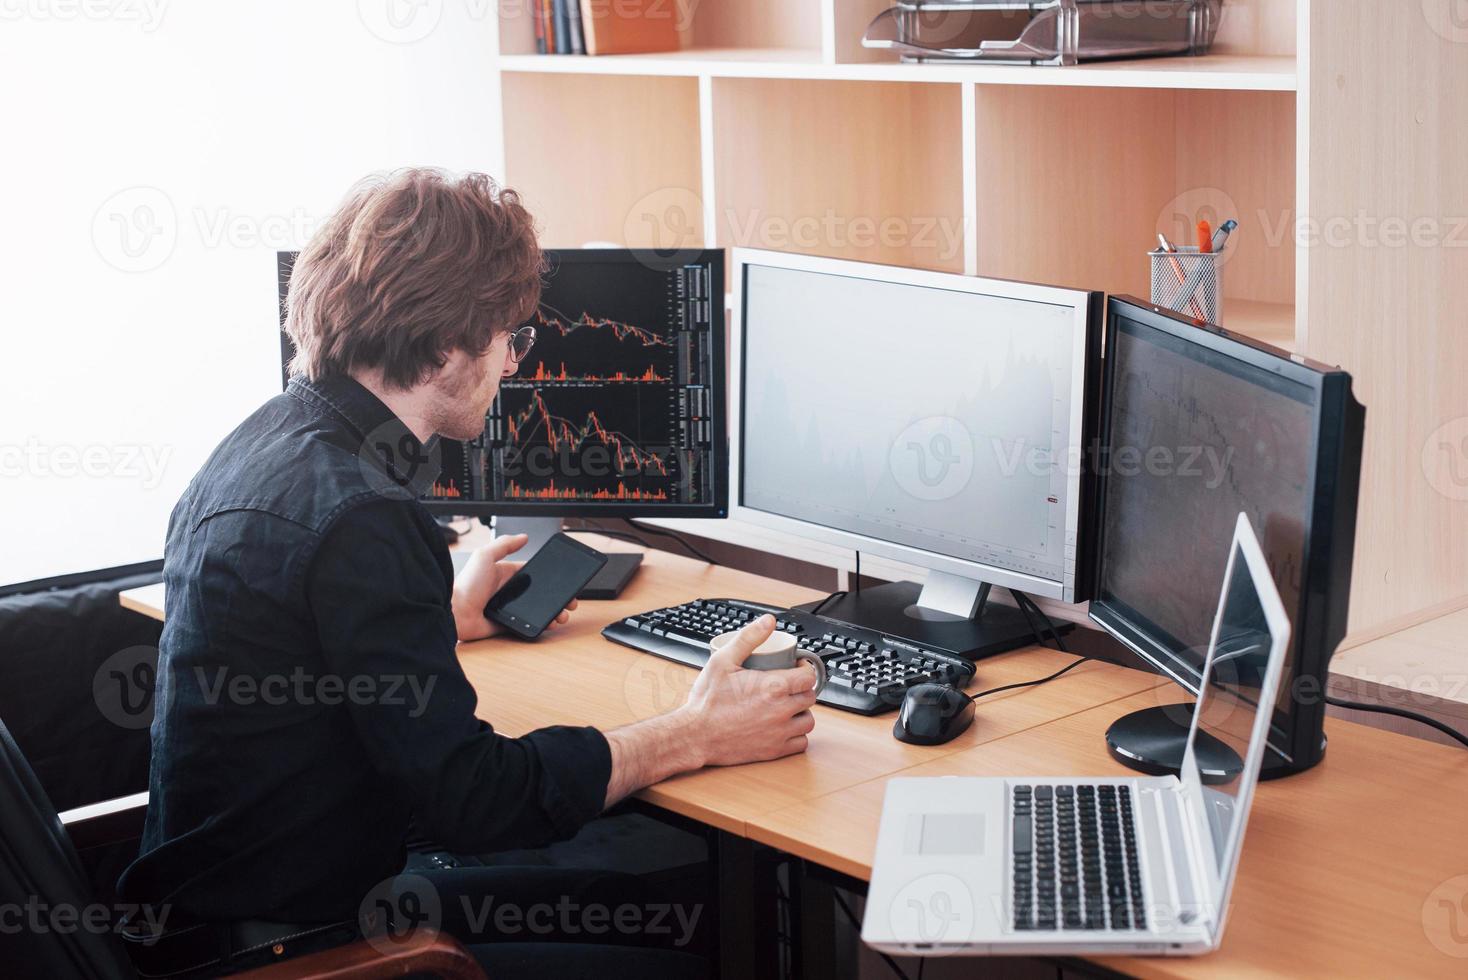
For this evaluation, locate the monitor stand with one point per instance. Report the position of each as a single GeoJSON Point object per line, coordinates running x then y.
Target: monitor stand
{"type": "Point", "coordinates": [949, 613]}
{"type": "Point", "coordinates": [605, 584]}
{"type": "Point", "coordinates": [1154, 739]}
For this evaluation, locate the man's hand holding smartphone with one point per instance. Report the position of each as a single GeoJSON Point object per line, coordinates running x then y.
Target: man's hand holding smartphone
{"type": "Point", "coordinates": [484, 575]}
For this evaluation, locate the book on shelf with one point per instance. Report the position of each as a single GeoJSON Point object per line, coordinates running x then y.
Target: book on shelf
{"type": "Point", "coordinates": [573, 20]}
{"type": "Point", "coordinates": [562, 27]}
{"type": "Point", "coordinates": [628, 26]}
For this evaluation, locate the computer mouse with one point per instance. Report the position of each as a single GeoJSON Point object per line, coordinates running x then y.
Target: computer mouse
{"type": "Point", "coordinates": [932, 714]}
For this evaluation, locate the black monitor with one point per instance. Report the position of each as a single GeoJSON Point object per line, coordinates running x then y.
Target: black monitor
{"type": "Point", "coordinates": [1198, 425]}
{"type": "Point", "coordinates": [618, 411]}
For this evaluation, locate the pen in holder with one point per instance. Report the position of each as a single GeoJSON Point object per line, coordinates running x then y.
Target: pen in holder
{"type": "Point", "coordinates": [1189, 282]}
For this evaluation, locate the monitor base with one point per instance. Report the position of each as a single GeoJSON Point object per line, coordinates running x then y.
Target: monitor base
{"type": "Point", "coordinates": [1154, 739]}
{"type": "Point", "coordinates": [893, 609]}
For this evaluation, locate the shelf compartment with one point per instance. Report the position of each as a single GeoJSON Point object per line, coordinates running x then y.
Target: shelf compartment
{"type": "Point", "coordinates": [1074, 186]}
{"type": "Point", "coordinates": [859, 170]}
{"type": "Point", "coordinates": [613, 160]}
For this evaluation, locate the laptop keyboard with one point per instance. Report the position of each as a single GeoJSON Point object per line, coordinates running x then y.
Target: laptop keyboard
{"type": "Point", "coordinates": [1074, 859]}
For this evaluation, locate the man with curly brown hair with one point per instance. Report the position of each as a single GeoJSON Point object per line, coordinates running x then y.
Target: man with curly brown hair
{"type": "Point", "coordinates": [311, 702]}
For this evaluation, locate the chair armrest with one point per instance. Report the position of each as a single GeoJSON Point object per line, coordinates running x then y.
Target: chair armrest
{"type": "Point", "coordinates": [442, 956]}
{"type": "Point", "coordinates": [108, 822]}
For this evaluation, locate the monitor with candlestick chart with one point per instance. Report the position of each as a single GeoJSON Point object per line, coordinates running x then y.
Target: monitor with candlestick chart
{"type": "Point", "coordinates": [617, 410]}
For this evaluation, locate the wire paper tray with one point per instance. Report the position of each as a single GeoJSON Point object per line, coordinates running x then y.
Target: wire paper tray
{"type": "Point", "coordinates": [1047, 32]}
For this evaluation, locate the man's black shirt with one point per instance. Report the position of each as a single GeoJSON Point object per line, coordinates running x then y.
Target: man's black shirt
{"type": "Point", "coordinates": [310, 696]}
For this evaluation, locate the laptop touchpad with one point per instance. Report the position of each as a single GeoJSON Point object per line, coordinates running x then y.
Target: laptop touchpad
{"type": "Point", "coordinates": [948, 833]}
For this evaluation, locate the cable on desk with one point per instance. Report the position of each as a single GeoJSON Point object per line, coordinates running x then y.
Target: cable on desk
{"type": "Point", "coordinates": [850, 915]}
{"type": "Point", "coordinates": [663, 532]}
{"type": "Point", "coordinates": [1025, 604]}
{"type": "Point", "coordinates": [1400, 713]}
{"type": "Point", "coordinates": [816, 610]}
{"type": "Point", "coordinates": [620, 535]}
{"type": "Point", "coordinates": [1043, 680]}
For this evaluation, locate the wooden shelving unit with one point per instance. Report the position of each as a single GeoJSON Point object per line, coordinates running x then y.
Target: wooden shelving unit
{"type": "Point", "coordinates": [1222, 72]}
{"type": "Point", "coordinates": [772, 127]}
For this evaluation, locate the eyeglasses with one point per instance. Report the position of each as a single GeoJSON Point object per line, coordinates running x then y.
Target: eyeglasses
{"type": "Point", "coordinates": [520, 343]}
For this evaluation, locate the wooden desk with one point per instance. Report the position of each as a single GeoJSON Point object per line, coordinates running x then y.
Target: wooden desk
{"type": "Point", "coordinates": [1340, 864]}
{"type": "Point", "coordinates": [575, 677]}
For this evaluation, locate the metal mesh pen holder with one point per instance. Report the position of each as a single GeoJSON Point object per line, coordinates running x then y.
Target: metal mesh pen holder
{"type": "Point", "coordinates": [1189, 282]}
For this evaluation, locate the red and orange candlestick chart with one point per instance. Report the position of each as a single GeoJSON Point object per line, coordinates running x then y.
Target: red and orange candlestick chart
{"type": "Point", "coordinates": [561, 433]}
{"type": "Point", "coordinates": [551, 492]}
{"type": "Point", "coordinates": [553, 319]}
{"type": "Point", "coordinates": [541, 374]}
{"type": "Point", "coordinates": [619, 330]}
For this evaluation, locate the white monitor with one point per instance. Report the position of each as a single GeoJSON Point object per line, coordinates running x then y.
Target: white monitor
{"type": "Point", "coordinates": [930, 418]}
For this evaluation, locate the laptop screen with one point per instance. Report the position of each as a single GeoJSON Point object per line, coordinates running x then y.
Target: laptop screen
{"type": "Point", "coordinates": [1242, 672]}
{"type": "Point", "coordinates": [1229, 703]}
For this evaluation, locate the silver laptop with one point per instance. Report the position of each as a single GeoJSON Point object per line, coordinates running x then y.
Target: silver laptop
{"type": "Point", "coordinates": [1091, 865]}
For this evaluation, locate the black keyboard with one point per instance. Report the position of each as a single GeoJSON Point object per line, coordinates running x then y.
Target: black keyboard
{"type": "Point", "coordinates": [1074, 861]}
{"type": "Point", "coordinates": [868, 671]}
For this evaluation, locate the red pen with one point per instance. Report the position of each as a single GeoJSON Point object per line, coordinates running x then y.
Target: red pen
{"type": "Point", "coordinates": [1205, 237]}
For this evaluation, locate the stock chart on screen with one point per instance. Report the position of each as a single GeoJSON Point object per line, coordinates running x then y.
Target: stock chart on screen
{"type": "Point", "coordinates": [617, 407]}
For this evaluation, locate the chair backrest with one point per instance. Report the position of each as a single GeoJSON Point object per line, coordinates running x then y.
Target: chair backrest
{"type": "Point", "coordinates": [43, 889]}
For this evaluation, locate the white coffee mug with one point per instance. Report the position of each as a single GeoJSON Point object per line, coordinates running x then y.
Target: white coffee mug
{"type": "Point", "coordinates": [778, 652]}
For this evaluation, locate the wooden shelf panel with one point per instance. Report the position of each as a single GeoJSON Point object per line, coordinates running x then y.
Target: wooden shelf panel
{"type": "Point", "coordinates": [1273, 73]}
{"type": "Point", "coordinates": [870, 171]}
{"type": "Point", "coordinates": [614, 160]}
{"type": "Point", "coordinates": [1073, 186]}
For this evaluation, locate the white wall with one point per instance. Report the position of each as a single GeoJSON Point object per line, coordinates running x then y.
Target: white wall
{"type": "Point", "coordinates": [210, 133]}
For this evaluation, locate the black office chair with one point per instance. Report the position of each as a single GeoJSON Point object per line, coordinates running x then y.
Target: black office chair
{"type": "Point", "coordinates": [39, 866]}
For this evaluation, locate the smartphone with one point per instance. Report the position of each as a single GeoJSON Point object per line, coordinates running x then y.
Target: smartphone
{"type": "Point", "coordinates": [536, 594]}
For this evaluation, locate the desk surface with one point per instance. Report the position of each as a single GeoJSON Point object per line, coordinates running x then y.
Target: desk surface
{"type": "Point", "coordinates": [1348, 869]}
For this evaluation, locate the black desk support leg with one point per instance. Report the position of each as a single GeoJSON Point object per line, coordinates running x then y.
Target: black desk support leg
{"type": "Point", "coordinates": [746, 890]}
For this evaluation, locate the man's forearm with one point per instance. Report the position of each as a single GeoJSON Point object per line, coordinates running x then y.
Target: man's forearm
{"type": "Point", "coordinates": [650, 751]}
